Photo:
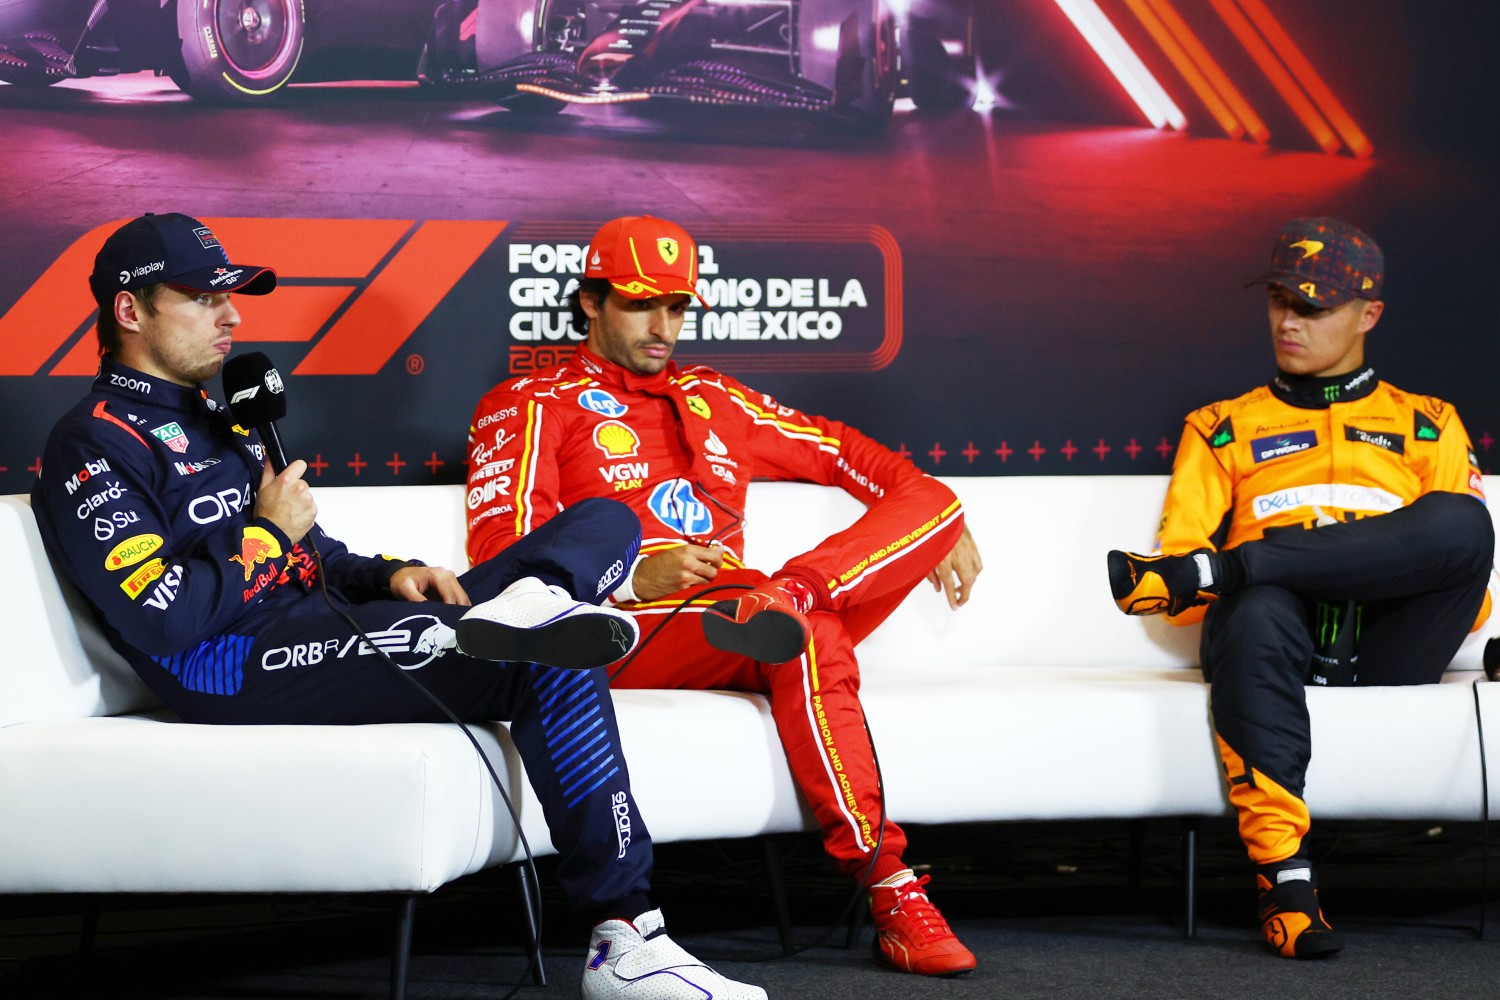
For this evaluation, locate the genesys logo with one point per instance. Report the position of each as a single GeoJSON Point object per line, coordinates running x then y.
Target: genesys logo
{"type": "Point", "coordinates": [340, 276]}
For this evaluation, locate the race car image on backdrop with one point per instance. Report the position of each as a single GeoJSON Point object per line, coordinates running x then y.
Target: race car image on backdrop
{"type": "Point", "coordinates": [844, 59]}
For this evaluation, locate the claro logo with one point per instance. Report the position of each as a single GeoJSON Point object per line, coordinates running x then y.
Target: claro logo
{"type": "Point", "coordinates": [354, 289]}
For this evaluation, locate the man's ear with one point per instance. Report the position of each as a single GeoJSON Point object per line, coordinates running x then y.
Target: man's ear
{"type": "Point", "coordinates": [1370, 315]}
{"type": "Point", "coordinates": [128, 311]}
{"type": "Point", "coordinates": [589, 302]}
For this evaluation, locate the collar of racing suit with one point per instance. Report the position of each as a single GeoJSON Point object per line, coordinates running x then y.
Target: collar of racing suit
{"type": "Point", "coordinates": [1309, 392]}
{"type": "Point", "coordinates": [692, 431]}
{"type": "Point", "coordinates": [607, 372]}
{"type": "Point", "coordinates": [129, 383]}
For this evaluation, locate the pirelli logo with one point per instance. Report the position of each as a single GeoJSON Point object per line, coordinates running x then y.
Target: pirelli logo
{"type": "Point", "coordinates": [353, 290]}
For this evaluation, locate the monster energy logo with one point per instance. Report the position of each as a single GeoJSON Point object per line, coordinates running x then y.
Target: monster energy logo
{"type": "Point", "coordinates": [1330, 393]}
{"type": "Point", "coordinates": [1331, 620]}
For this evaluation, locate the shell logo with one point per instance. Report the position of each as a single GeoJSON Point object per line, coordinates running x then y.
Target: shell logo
{"type": "Point", "coordinates": [616, 440]}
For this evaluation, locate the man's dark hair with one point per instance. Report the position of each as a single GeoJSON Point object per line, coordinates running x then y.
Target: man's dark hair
{"type": "Point", "coordinates": [600, 287]}
{"type": "Point", "coordinates": [108, 328]}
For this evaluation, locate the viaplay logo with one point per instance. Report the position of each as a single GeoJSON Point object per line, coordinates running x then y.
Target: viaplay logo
{"type": "Point", "coordinates": [353, 289]}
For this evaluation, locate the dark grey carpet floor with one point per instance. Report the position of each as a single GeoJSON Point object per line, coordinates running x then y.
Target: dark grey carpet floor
{"type": "Point", "coordinates": [1051, 911]}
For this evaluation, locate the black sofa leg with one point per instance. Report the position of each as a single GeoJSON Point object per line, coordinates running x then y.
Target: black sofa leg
{"type": "Point", "coordinates": [1190, 825]}
{"type": "Point", "coordinates": [770, 856]}
{"type": "Point", "coordinates": [89, 932]}
{"type": "Point", "coordinates": [533, 932]}
{"type": "Point", "coordinates": [406, 913]}
{"type": "Point", "coordinates": [1135, 853]}
{"type": "Point", "coordinates": [857, 918]}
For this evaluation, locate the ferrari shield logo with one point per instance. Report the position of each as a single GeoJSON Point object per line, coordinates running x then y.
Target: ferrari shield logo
{"type": "Point", "coordinates": [667, 247]}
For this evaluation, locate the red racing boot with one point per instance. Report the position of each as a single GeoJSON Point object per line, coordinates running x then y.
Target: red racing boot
{"type": "Point", "coordinates": [769, 623]}
{"type": "Point", "coordinates": [911, 935]}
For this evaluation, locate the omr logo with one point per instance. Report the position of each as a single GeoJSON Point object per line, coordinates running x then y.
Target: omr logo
{"type": "Point", "coordinates": [353, 289]}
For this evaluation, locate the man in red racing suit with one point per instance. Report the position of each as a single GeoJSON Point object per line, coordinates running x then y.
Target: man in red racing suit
{"type": "Point", "coordinates": [1334, 528]}
{"type": "Point", "coordinates": [679, 447]}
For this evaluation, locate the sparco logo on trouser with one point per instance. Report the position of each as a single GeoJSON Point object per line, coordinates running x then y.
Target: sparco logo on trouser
{"type": "Point", "coordinates": [620, 805]}
{"type": "Point", "coordinates": [411, 643]}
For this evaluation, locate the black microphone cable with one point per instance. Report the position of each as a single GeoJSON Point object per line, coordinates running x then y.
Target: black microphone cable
{"type": "Point", "coordinates": [534, 888]}
{"type": "Point", "coordinates": [861, 886]}
{"type": "Point", "coordinates": [1484, 811]}
{"type": "Point", "coordinates": [256, 398]}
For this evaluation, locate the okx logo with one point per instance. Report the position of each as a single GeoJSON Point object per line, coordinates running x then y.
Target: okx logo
{"type": "Point", "coordinates": [354, 289]}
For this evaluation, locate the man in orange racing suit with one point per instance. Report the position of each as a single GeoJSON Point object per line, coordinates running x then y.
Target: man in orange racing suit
{"type": "Point", "coordinates": [680, 446]}
{"type": "Point", "coordinates": [1334, 527]}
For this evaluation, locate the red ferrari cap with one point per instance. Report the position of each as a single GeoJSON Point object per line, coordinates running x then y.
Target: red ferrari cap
{"type": "Point", "coordinates": [642, 256]}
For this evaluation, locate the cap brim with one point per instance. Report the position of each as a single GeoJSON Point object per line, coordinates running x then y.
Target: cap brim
{"type": "Point", "coordinates": [244, 279]}
{"type": "Point", "coordinates": [1331, 298]}
{"type": "Point", "coordinates": [636, 288]}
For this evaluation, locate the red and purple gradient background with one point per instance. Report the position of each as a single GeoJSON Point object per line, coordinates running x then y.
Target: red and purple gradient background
{"type": "Point", "coordinates": [1070, 279]}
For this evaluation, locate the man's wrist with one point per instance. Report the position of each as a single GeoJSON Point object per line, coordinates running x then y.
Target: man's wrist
{"type": "Point", "coordinates": [625, 592]}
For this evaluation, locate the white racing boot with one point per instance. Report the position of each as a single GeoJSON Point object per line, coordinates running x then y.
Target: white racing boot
{"type": "Point", "coordinates": [534, 623]}
{"type": "Point", "coordinates": [635, 960]}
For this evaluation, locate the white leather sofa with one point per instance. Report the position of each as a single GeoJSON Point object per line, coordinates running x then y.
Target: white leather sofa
{"type": "Point", "coordinates": [1038, 701]}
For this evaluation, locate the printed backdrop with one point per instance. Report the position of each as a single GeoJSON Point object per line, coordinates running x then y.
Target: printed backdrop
{"type": "Point", "coordinates": [1042, 284]}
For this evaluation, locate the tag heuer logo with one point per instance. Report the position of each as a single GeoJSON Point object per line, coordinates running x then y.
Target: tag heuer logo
{"type": "Point", "coordinates": [172, 436]}
{"type": "Point", "coordinates": [667, 247]}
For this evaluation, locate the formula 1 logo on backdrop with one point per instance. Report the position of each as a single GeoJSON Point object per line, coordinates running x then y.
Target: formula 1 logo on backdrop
{"type": "Point", "coordinates": [339, 280]}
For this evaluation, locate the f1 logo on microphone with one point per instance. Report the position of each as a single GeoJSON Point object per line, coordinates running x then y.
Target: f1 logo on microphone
{"type": "Point", "coordinates": [354, 289]}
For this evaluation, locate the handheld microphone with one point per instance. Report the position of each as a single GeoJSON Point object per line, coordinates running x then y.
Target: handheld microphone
{"type": "Point", "coordinates": [257, 398]}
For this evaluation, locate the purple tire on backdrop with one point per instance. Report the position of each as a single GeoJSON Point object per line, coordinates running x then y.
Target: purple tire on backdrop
{"type": "Point", "coordinates": [239, 51]}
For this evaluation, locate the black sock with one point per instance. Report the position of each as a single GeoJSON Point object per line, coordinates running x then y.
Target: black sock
{"type": "Point", "coordinates": [626, 909]}
{"type": "Point", "coordinates": [1229, 571]}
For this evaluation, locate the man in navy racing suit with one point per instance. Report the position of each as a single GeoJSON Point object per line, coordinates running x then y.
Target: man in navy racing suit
{"type": "Point", "coordinates": [203, 565]}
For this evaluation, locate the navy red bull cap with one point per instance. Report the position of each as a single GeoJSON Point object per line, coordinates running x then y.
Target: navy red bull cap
{"type": "Point", "coordinates": [642, 256]}
{"type": "Point", "coordinates": [1325, 262]}
{"type": "Point", "coordinates": [171, 249]}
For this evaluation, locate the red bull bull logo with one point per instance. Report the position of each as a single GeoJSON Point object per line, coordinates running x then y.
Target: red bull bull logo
{"type": "Point", "coordinates": [257, 546]}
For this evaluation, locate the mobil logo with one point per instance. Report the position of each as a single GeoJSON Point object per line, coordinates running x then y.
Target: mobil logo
{"type": "Point", "coordinates": [674, 505]}
{"type": "Point", "coordinates": [340, 277]}
{"type": "Point", "coordinates": [83, 475]}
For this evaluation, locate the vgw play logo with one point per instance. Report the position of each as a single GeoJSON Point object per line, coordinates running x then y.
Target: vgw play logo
{"type": "Point", "coordinates": [353, 289]}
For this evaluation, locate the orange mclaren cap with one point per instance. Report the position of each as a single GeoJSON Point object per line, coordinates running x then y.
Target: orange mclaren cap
{"type": "Point", "coordinates": [642, 256]}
